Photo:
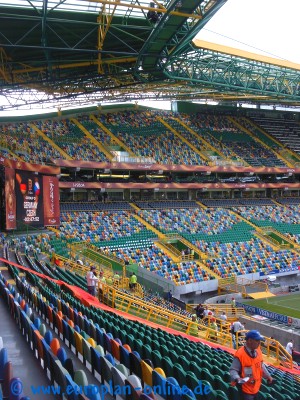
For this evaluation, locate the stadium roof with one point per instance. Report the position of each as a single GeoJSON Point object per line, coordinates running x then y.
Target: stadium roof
{"type": "Point", "coordinates": [78, 52]}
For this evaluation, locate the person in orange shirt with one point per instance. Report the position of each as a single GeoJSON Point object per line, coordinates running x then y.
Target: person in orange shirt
{"type": "Point", "coordinates": [247, 368]}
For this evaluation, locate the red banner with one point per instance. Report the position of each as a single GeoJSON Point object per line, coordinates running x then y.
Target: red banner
{"type": "Point", "coordinates": [140, 166]}
{"type": "Point", "coordinates": [164, 186]}
{"type": "Point", "coordinates": [24, 166]}
{"type": "Point", "coordinates": [10, 199]}
{"type": "Point", "coordinates": [51, 201]}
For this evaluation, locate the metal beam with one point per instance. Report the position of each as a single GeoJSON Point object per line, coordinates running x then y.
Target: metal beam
{"type": "Point", "coordinates": [232, 73]}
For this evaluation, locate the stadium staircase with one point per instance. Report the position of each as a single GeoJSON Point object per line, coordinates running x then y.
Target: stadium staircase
{"type": "Point", "coordinates": [145, 223]}
{"type": "Point", "coordinates": [202, 256]}
{"type": "Point", "coordinates": [183, 139]}
{"type": "Point", "coordinates": [243, 219]}
{"type": "Point", "coordinates": [201, 205]}
{"type": "Point", "coordinates": [257, 139]}
{"type": "Point", "coordinates": [51, 142]}
{"type": "Point", "coordinates": [13, 154]}
{"type": "Point", "coordinates": [246, 287]}
{"type": "Point", "coordinates": [170, 250]}
{"type": "Point", "coordinates": [267, 239]}
{"type": "Point", "coordinates": [284, 242]}
{"type": "Point", "coordinates": [265, 233]}
{"type": "Point", "coordinates": [178, 127]}
{"type": "Point", "coordinates": [200, 138]}
{"type": "Point", "coordinates": [92, 139]}
{"type": "Point", "coordinates": [114, 138]}
{"type": "Point", "coordinates": [92, 255]}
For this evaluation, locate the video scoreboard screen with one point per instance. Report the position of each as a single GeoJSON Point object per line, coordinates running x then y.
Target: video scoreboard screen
{"type": "Point", "coordinates": [31, 196]}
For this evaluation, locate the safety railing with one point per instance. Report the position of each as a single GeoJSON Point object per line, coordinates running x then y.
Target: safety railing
{"type": "Point", "coordinates": [135, 306]}
{"type": "Point", "coordinates": [103, 253]}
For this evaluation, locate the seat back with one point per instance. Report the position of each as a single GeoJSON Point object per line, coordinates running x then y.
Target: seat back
{"type": "Point", "coordinates": [146, 373]}
{"type": "Point", "coordinates": [118, 379]}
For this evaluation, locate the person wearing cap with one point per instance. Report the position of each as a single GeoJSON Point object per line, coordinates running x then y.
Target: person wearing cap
{"type": "Point", "coordinates": [91, 280]}
{"type": "Point", "coordinates": [247, 368]}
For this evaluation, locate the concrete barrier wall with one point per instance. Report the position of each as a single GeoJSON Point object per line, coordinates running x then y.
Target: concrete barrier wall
{"type": "Point", "coordinates": [282, 335]}
{"type": "Point", "coordinates": [224, 297]}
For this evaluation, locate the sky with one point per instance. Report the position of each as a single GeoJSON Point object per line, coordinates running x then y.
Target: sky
{"type": "Point", "coordinates": [268, 27]}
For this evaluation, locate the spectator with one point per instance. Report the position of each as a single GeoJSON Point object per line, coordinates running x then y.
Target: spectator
{"type": "Point", "coordinates": [133, 281]}
{"type": "Point", "coordinates": [194, 326]}
{"type": "Point", "coordinates": [199, 310]}
{"type": "Point", "coordinates": [290, 347]}
{"type": "Point", "coordinates": [102, 281]}
{"type": "Point", "coordinates": [237, 326]}
{"type": "Point", "coordinates": [233, 305]}
{"type": "Point", "coordinates": [152, 15]}
{"type": "Point", "coordinates": [214, 327]}
{"type": "Point", "coordinates": [109, 281]}
{"type": "Point", "coordinates": [116, 277]}
{"type": "Point", "coordinates": [223, 318]}
{"type": "Point", "coordinates": [169, 295]}
{"type": "Point", "coordinates": [272, 341]}
{"type": "Point", "coordinates": [91, 280]}
{"type": "Point", "coordinates": [207, 312]}
{"type": "Point", "coordinates": [247, 368]}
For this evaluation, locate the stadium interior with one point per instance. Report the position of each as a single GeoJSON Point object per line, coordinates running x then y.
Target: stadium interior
{"type": "Point", "coordinates": [200, 202]}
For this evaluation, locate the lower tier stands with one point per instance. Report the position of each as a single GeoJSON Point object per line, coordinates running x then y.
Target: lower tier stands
{"type": "Point", "coordinates": [124, 351]}
{"type": "Point", "coordinates": [147, 255]}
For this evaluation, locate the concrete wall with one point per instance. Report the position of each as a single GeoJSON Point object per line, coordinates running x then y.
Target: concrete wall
{"type": "Point", "coordinates": [156, 282]}
{"type": "Point", "coordinates": [226, 297]}
{"type": "Point", "coordinates": [166, 285]}
{"type": "Point", "coordinates": [282, 335]}
{"type": "Point", "coordinates": [207, 286]}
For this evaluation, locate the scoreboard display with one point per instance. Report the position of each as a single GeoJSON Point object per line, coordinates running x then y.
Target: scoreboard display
{"type": "Point", "coordinates": [31, 195]}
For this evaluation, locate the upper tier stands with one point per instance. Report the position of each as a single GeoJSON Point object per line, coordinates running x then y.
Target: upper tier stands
{"type": "Point", "coordinates": [67, 135]}
{"type": "Point", "coordinates": [269, 141]}
{"type": "Point", "coordinates": [286, 131]}
{"type": "Point", "coordinates": [235, 141]}
{"type": "Point", "coordinates": [203, 127]}
{"type": "Point", "coordinates": [211, 138]}
{"type": "Point", "coordinates": [148, 137]}
{"type": "Point", "coordinates": [23, 141]}
{"type": "Point", "coordinates": [95, 130]}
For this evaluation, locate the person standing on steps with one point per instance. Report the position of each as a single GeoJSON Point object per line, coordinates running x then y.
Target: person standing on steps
{"type": "Point", "coordinates": [91, 280]}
